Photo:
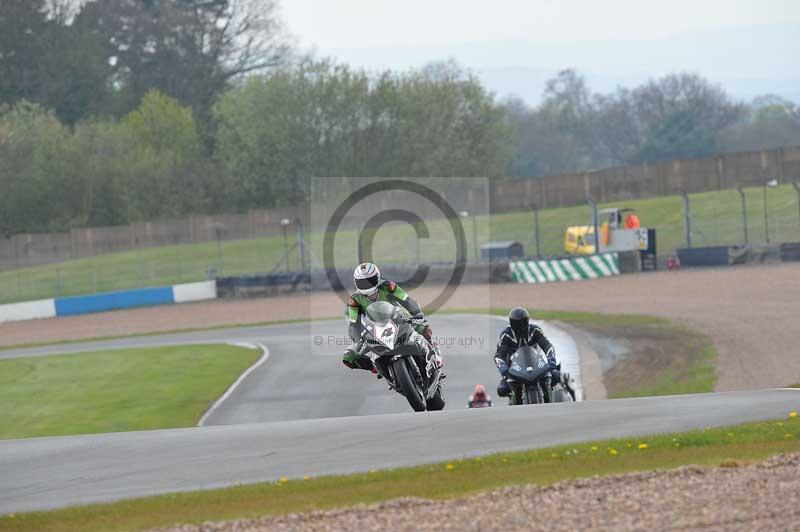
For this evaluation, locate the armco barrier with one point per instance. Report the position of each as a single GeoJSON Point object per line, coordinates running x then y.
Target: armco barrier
{"type": "Point", "coordinates": [567, 269]}
{"type": "Point", "coordinates": [704, 256]}
{"type": "Point", "coordinates": [479, 272]}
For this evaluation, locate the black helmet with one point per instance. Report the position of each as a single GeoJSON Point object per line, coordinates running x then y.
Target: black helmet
{"type": "Point", "coordinates": [518, 319]}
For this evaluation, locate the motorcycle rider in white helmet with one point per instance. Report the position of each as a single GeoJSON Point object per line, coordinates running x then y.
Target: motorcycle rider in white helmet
{"type": "Point", "coordinates": [370, 287]}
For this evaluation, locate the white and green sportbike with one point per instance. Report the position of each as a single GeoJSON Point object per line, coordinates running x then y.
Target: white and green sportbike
{"type": "Point", "coordinates": [403, 356]}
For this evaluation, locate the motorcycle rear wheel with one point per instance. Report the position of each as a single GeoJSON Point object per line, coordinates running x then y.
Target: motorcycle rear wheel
{"type": "Point", "coordinates": [407, 385]}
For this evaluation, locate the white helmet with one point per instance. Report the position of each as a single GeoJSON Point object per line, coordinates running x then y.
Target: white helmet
{"type": "Point", "coordinates": [367, 277]}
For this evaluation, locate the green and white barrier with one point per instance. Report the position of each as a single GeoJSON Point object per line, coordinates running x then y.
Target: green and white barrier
{"type": "Point", "coordinates": [569, 269]}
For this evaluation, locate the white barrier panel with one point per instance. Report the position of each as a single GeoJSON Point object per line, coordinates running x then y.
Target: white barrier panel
{"type": "Point", "coordinates": [28, 310]}
{"type": "Point", "coordinates": [183, 293]}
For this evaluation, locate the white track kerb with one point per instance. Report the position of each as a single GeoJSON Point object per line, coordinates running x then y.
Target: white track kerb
{"type": "Point", "coordinates": [238, 381]}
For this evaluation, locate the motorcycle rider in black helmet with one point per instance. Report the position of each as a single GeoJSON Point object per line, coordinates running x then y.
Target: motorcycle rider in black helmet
{"type": "Point", "coordinates": [521, 332]}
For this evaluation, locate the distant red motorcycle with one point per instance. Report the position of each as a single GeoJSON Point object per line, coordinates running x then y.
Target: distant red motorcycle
{"type": "Point", "coordinates": [479, 398]}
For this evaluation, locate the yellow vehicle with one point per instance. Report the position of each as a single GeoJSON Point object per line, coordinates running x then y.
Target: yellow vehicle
{"type": "Point", "coordinates": [580, 240]}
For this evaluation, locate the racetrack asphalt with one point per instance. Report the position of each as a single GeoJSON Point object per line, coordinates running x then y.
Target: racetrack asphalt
{"type": "Point", "coordinates": [279, 421]}
{"type": "Point", "coordinates": [44, 473]}
{"type": "Point", "coordinates": [303, 377]}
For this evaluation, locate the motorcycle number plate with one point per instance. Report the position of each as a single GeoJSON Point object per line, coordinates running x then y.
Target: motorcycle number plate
{"type": "Point", "coordinates": [529, 368]}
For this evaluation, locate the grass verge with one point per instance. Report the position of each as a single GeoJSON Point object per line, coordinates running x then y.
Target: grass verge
{"type": "Point", "coordinates": [112, 391]}
{"type": "Point", "coordinates": [716, 221]}
{"type": "Point", "coordinates": [727, 446]}
{"type": "Point", "coordinates": [665, 359]}
{"type": "Point", "coordinates": [668, 359]}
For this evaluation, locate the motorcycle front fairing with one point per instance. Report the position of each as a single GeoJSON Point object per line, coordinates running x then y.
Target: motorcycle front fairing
{"type": "Point", "coordinates": [391, 335]}
{"type": "Point", "coordinates": [527, 365]}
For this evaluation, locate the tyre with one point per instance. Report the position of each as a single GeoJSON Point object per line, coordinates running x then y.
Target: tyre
{"type": "Point", "coordinates": [561, 396]}
{"type": "Point", "coordinates": [407, 385]}
{"type": "Point", "coordinates": [516, 397]}
{"type": "Point", "coordinates": [533, 395]}
{"type": "Point", "coordinates": [437, 401]}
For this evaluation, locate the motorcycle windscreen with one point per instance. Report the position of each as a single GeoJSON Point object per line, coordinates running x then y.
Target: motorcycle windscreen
{"type": "Point", "coordinates": [380, 312]}
{"type": "Point", "coordinates": [527, 364]}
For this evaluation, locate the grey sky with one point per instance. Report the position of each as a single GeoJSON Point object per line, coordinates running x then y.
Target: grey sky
{"type": "Point", "coordinates": [749, 46]}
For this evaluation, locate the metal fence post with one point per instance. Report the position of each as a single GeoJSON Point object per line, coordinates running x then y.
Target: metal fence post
{"type": "Point", "coordinates": [418, 249]}
{"type": "Point", "coordinates": [284, 227]}
{"type": "Point", "coordinates": [687, 220]}
{"type": "Point", "coordinates": [218, 232]}
{"type": "Point", "coordinates": [475, 234]}
{"type": "Point", "coordinates": [744, 215]}
{"type": "Point", "coordinates": [772, 183]}
{"type": "Point", "coordinates": [301, 243]}
{"type": "Point", "coordinates": [797, 189]}
{"type": "Point", "coordinates": [593, 205]}
{"type": "Point", "coordinates": [536, 231]}
{"type": "Point", "coordinates": [766, 215]}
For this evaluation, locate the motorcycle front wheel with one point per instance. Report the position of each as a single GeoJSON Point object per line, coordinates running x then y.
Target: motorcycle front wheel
{"type": "Point", "coordinates": [533, 395]}
{"type": "Point", "coordinates": [406, 383]}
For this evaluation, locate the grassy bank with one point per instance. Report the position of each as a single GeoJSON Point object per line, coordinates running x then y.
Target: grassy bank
{"type": "Point", "coordinates": [716, 220]}
{"type": "Point", "coordinates": [729, 446]}
{"type": "Point", "coordinates": [668, 358]}
{"type": "Point", "coordinates": [665, 358]}
{"type": "Point", "coordinates": [120, 390]}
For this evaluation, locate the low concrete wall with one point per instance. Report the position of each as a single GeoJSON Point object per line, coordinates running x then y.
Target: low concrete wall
{"type": "Point", "coordinates": [144, 297]}
{"type": "Point", "coordinates": [28, 310]}
{"type": "Point", "coordinates": [74, 305]}
{"type": "Point", "coordinates": [185, 293]}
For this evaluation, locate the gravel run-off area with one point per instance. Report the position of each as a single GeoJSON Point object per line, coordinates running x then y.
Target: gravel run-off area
{"type": "Point", "coordinates": [750, 312]}
{"type": "Point", "coordinates": [765, 496]}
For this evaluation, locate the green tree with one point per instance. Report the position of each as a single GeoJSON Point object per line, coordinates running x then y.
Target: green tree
{"type": "Point", "coordinates": [168, 178]}
{"type": "Point", "coordinates": [190, 50]}
{"type": "Point", "coordinates": [41, 190]}
{"type": "Point", "coordinates": [46, 60]}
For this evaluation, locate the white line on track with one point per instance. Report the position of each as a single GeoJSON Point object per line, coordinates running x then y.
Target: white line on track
{"type": "Point", "coordinates": [238, 381]}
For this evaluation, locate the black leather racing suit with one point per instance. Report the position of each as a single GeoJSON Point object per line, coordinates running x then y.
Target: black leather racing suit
{"type": "Point", "coordinates": [509, 343]}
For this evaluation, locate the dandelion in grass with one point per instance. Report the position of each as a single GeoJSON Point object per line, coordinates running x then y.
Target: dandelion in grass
{"type": "Point", "coordinates": [792, 414]}
{"type": "Point", "coordinates": [306, 478]}
{"type": "Point", "coordinates": [642, 446]}
{"type": "Point", "coordinates": [449, 467]}
{"type": "Point", "coordinates": [594, 448]}
{"type": "Point", "coordinates": [283, 480]}
{"type": "Point", "coordinates": [612, 452]}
